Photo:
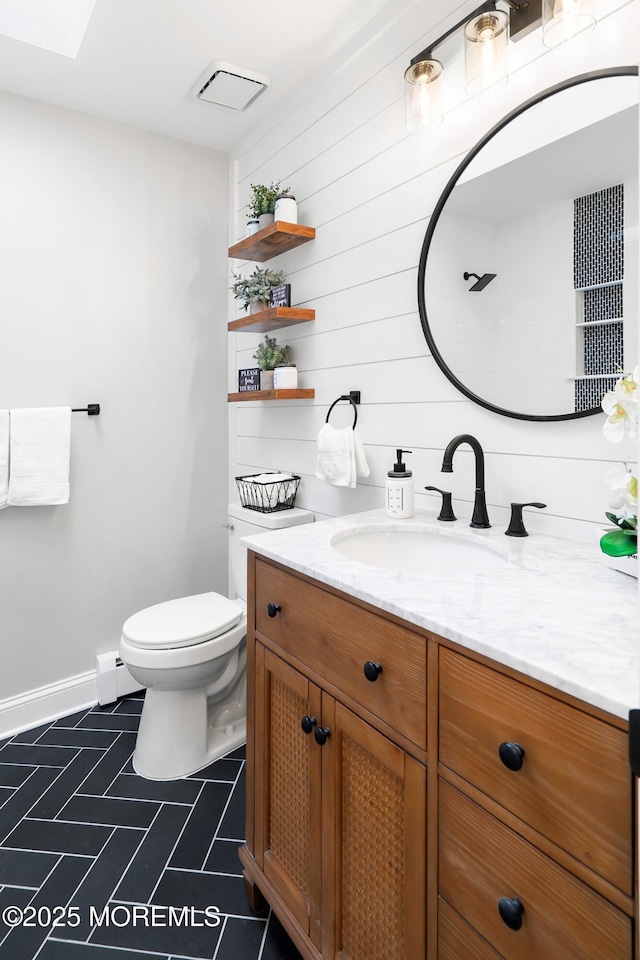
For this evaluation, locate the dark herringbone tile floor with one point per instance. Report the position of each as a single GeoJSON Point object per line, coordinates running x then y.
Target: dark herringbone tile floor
{"type": "Point", "coordinates": [79, 829]}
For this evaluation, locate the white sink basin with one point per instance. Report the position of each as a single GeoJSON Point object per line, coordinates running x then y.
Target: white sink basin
{"type": "Point", "coordinates": [421, 551]}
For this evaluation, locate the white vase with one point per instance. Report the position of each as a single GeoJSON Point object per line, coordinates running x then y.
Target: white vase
{"type": "Point", "coordinates": [286, 209]}
{"type": "Point", "coordinates": [285, 377]}
{"type": "Point", "coordinates": [628, 565]}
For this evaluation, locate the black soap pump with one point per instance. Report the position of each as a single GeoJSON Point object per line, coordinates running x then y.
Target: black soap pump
{"type": "Point", "coordinates": [400, 489]}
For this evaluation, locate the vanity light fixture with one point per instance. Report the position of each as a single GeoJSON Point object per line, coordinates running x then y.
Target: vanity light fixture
{"type": "Point", "coordinates": [424, 75]}
{"type": "Point", "coordinates": [487, 31]}
{"type": "Point", "coordinates": [486, 52]}
{"type": "Point", "coordinates": [565, 20]}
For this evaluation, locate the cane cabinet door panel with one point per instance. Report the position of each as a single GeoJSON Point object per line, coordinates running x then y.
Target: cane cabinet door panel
{"type": "Point", "coordinates": [288, 799]}
{"type": "Point", "coordinates": [374, 847]}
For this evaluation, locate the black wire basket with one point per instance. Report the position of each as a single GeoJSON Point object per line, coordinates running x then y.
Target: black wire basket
{"type": "Point", "coordinates": [259, 493]}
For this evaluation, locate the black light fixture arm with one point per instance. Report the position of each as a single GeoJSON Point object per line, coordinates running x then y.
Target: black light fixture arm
{"type": "Point", "coordinates": [427, 53]}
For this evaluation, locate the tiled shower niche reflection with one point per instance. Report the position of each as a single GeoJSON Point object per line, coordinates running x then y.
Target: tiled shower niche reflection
{"type": "Point", "coordinates": [598, 268]}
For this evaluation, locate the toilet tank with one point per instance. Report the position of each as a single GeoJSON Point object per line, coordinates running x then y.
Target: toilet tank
{"type": "Point", "coordinates": [248, 523]}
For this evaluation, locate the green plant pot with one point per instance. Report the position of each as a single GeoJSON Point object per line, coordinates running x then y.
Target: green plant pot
{"type": "Point", "coordinates": [628, 565]}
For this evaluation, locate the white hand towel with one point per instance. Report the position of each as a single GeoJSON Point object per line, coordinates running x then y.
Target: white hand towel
{"type": "Point", "coordinates": [40, 449]}
{"type": "Point", "coordinates": [4, 457]}
{"type": "Point", "coordinates": [336, 456]}
{"type": "Point", "coordinates": [269, 478]}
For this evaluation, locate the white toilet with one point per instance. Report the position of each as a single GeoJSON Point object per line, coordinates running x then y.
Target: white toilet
{"type": "Point", "coordinates": [191, 656]}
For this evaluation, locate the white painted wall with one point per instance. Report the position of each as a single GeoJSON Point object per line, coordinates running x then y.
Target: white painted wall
{"type": "Point", "coordinates": [540, 333]}
{"type": "Point", "coordinates": [369, 188]}
{"type": "Point", "coordinates": [112, 290]}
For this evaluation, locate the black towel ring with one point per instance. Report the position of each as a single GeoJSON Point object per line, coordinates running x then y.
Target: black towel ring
{"type": "Point", "coordinates": [353, 398]}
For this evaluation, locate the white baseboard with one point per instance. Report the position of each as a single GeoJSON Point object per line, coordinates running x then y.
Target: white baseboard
{"type": "Point", "coordinates": [35, 707]}
{"type": "Point", "coordinates": [56, 700]}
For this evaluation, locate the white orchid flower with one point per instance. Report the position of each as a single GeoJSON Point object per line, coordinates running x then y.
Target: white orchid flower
{"type": "Point", "coordinates": [624, 487]}
{"type": "Point", "coordinates": [621, 407]}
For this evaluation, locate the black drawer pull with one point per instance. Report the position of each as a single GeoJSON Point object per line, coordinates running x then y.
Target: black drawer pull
{"type": "Point", "coordinates": [372, 670]}
{"type": "Point", "coordinates": [512, 755]}
{"type": "Point", "coordinates": [511, 910]}
{"type": "Point", "coordinates": [308, 723]}
{"type": "Point", "coordinates": [322, 735]}
{"type": "Point", "coordinates": [273, 609]}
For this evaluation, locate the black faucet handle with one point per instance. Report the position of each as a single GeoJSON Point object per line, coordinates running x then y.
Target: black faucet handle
{"type": "Point", "coordinates": [446, 510]}
{"type": "Point", "coordinates": [516, 526]}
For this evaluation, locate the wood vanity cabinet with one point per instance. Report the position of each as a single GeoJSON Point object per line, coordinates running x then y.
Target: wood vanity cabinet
{"type": "Point", "coordinates": [336, 815]}
{"type": "Point", "coordinates": [526, 853]}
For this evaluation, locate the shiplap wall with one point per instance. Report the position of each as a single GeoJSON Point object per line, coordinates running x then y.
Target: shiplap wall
{"type": "Point", "coordinates": [368, 187]}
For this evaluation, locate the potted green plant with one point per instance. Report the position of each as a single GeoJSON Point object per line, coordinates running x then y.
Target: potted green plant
{"type": "Point", "coordinates": [263, 201]}
{"type": "Point", "coordinates": [268, 355]}
{"type": "Point", "coordinates": [255, 290]}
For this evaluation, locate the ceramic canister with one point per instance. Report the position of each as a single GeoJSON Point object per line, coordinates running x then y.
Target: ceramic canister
{"type": "Point", "coordinates": [286, 209]}
{"type": "Point", "coordinates": [285, 377]}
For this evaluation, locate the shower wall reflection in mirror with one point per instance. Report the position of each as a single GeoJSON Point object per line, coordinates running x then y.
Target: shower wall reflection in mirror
{"type": "Point", "coordinates": [530, 263]}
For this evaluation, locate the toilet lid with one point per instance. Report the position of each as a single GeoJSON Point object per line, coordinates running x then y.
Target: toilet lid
{"type": "Point", "coordinates": [182, 623]}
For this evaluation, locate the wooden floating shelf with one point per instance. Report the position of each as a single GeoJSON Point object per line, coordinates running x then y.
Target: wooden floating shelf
{"type": "Point", "coordinates": [276, 238]}
{"type": "Point", "coordinates": [272, 395]}
{"type": "Point", "coordinates": [271, 319]}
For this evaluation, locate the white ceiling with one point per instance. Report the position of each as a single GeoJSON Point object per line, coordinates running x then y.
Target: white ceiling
{"type": "Point", "coordinates": [140, 59]}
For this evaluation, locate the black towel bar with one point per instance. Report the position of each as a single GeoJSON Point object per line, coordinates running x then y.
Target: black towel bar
{"type": "Point", "coordinates": [92, 409]}
{"type": "Point", "coordinates": [353, 397]}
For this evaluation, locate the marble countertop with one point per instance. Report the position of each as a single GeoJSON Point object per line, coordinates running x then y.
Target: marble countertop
{"type": "Point", "coordinates": [553, 611]}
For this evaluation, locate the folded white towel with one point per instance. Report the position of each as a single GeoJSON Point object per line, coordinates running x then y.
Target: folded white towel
{"type": "Point", "coordinates": [341, 457]}
{"type": "Point", "coordinates": [269, 478]}
{"type": "Point", "coordinates": [40, 449]}
{"type": "Point", "coordinates": [4, 457]}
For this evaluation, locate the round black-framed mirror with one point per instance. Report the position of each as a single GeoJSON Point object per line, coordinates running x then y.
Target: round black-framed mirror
{"type": "Point", "coordinates": [465, 323]}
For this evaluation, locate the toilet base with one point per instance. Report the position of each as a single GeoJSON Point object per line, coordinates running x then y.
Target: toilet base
{"type": "Point", "coordinates": [181, 732]}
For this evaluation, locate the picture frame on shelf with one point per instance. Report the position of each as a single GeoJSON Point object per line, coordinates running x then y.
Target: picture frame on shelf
{"type": "Point", "coordinates": [280, 296]}
{"type": "Point", "coordinates": [249, 380]}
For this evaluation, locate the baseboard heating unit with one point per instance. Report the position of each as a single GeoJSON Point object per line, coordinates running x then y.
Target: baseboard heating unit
{"type": "Point", "coordinates": [114, 680]}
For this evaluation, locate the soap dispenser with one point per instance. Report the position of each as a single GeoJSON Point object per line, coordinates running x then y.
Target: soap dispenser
{"type": "Point", "coordinates": [400, 490]}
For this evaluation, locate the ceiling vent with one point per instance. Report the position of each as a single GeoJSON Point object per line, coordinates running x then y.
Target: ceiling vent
{"type": "Point", "coordinates": [230, 86]}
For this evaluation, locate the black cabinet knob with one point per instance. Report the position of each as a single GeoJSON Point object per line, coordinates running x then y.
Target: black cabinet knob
{"type": "Point", "coordinates": [308, 723]}
{"type": "Point", "coordinates": [512, 755]}
{"type": "Point", "coordinates": [511, 910]}
{"type": "Point", "coordinates": [273, 609]}
{"type": "Point", "coordinates": [372, 670]}
{"type": "Point", "coordinates": [322, 734]}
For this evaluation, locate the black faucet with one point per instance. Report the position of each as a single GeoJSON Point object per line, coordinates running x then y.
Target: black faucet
{"type": "Point", "coordinates": [480, 516]}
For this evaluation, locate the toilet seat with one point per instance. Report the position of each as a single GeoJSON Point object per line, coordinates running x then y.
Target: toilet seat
{"type": "Point", "coordinates": [185, 622]}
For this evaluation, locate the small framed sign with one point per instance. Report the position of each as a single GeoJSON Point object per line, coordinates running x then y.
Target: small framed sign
{"type": "Point", "coordinates": [248, 380]}
{"type": "Point", "coordinates": [281, 296]}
